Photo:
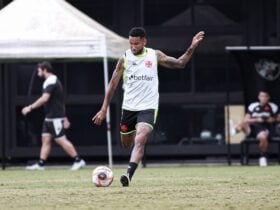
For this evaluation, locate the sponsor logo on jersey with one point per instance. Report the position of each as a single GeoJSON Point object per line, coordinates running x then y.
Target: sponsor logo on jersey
{"type": "Point", "coordinates": [142, 77]}
{"type": "Point", "coordinates": [262, 114]}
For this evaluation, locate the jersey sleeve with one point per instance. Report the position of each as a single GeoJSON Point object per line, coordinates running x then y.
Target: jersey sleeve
{"type": "Point", "coordinates": [251, 108]}
{"type": "Point", "coordinates": [49, 88]}
{"type": "Point", "coordinates": [275, 109]}
{"type": "Point", "coordinates": [49, 84]}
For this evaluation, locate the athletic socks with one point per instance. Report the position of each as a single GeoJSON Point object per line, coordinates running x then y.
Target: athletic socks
{"type": "Point", "coordinates": [41, 162]}
{"type": "Point", "coordinates": [131, 169]}
{"type": "Point", "coordinates": [77, 159]}
{"type": "Point", "coordinates": [263, 154]}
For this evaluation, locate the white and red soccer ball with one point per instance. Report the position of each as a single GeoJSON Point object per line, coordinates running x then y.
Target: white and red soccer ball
{"type": "Point", "coordinates": [102, 176]}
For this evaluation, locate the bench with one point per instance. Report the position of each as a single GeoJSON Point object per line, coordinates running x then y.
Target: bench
{"type": "Point", "coordinates": [245, 148]}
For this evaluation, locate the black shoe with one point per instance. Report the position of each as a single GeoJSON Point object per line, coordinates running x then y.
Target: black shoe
{"type": "Point", "coordinates": [125, 180]}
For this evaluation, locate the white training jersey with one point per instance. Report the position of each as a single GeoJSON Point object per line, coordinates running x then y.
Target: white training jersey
{"type": "Point", "coordinates": [140, 81]}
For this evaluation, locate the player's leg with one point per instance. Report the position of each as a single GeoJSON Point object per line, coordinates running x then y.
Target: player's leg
{"type": "Point", "coordinates": [240, 127]}
{"type": "Point", "coordinates": [127, 128]}
{"type": "Point", "coordinates": [44, 153]}
{"type": "Point", "coordinates": [142, 133]}
{"type": "Point", "coordinates": [45, 148]}
{"type": "Point", "coordinates": [263, 137]}
{"type": "Point", "coordinates": [244, 127]}
{"type": "Point", "coordinates": [128, 139]}
{"type": "Point", "coordinates": [146, 120]}
{"type": "Point", "coordinates": [263, 145]}
{"type": "Point", "coordinates": [67, 146]}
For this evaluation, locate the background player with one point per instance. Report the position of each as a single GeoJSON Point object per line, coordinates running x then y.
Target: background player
{"type": "Point", "coordinates": [55, 121]}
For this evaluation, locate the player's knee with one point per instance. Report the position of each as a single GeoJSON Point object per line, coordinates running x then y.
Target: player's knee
{"type": "Point", "coordinates": [263, 137]}
{"type": "Point", "coordinates": [142, 135]}
{"type": "Point", "coordinates": [46, 140]}
{"type": "Point", "coordinates": [127, 144]}
{"type": "Point", "coordinates": [62, 141]}
{"type": "Point", "coordinates": [127, 141]}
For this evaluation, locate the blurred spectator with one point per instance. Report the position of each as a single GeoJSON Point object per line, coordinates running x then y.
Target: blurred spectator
{"type": "Point", "coordinates": [258, 123]}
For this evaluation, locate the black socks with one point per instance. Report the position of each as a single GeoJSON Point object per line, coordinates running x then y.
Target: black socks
{"type": "Point", "coordinates": [41, 162]}
{"type": "Point", "coordinates": [131, 169]}
{"type": "Point", "coordinates": [77, 159]}
{"type": "Point", "coordinates": [263, 154]}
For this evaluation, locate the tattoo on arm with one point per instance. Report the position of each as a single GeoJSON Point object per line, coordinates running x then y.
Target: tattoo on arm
{"type": "Point", "coordinates": [115, 74]}
{"type": "Point", "coordinates": [190, 51]}
{"type": "Point", "coordinates": [166, 61]}
{"type": "Point", "coordinates": [171, 62]}
{"type": "Point", "coordinates": [184, 59]}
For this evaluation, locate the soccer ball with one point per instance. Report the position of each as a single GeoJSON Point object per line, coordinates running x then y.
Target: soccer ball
{"type": "Point", "coordinates": [102, 176]}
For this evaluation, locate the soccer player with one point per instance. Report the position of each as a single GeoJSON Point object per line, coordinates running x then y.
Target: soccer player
{"type": "Point", "coordinates": [257, 123]}
{"type": "Point", "coordinates": [139, 69]}
{"type": "Point", "coordinates": [55, 121]}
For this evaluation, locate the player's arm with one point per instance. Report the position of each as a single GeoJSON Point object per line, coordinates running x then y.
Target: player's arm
{"type": "Point", "coordinates": [270, 119]}
{"type": "Point", "coordinates": [66, 123]}
{"type": "Point", "coordinates": [249, 119]}
{"type": "Point", "coordinates": [100, 116]}
{"type": "Point", "coordinates": [179, 63]}
{"type": "Point", "coordinates": [277, 118]}
{"type": "Point", "coordinates": [38, 103]}
{"type": "Point", "coordinates": [275, 115]}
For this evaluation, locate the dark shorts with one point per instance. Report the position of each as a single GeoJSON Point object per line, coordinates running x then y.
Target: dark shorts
{"type": "Point", "coordinates": [256, 129]}
{"type": "Point", "coordinates": [130, 119]}
{"type": "Point", "coordinates": [53, 127]}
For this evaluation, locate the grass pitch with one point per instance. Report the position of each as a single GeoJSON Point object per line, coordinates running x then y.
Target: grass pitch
{"type": "Point", "coordinates": [152, 188]}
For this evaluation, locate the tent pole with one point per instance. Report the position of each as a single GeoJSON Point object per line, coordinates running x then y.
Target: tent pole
{"type": "Point", "coordinates": [108, 121]}
{"type": "Point", "coordinates": [227, 109]}
{"type": "Point", "coordinates": [2, 117]}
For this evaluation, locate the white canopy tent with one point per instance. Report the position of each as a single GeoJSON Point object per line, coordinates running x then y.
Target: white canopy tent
{"type": "Point", "coordinates": [54, 29]}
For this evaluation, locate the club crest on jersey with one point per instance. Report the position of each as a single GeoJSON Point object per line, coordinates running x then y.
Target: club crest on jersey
{"type": "Point", "coordinates": [124, 128]}
{"type": "Point", "coordinates": [148, 64]}
{"type": "Point", "coordinates": [266, 108]}
{"type": "Point", "coordinates": [267, 69]}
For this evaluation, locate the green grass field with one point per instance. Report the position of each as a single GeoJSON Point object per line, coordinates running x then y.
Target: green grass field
{"type": "Point", "coordinates": [152, 188]}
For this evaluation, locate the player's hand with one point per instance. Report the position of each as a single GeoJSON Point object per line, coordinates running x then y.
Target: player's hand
{"type": "Point", "coordinates": [260, 120]}
{"type": "Point", "coordinates": [66, 123]}
{"type": "Point", "coordinates": [270, 120]}
{"type": "Point", "coordinates": [197, 39]}
{"type": "Point", "coordinates": [25, 110]}
{"type": "Point", "coordinates": [99, 117]}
